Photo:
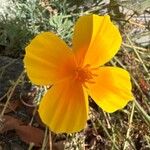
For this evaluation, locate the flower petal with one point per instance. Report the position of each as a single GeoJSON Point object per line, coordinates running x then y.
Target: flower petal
{"type": "Point", "coordinates": [112, 90]}
{"type": "Point", "coordinates": [96, 40]}
{"type": "Point", "coordinates": [64, 108]}
{"type": "Point", "coordinates": [47, 59]}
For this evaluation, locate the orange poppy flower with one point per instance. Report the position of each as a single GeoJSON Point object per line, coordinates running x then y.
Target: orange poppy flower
{"type": "Point", "coordinates": [75, 73]}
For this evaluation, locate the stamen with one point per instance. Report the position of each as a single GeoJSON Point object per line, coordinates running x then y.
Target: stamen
{"type": "Point", "coordinates": [85, 75]}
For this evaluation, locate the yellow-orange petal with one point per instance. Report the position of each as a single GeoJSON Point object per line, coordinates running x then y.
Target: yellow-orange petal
{"type": "Point", "coordinates": [47, 59]}
{"type": "Point", "coordinates": [64, 108]}
{"type": "Point", "coordinates": [96, 40]}
{"type": "Point", "coordinates": [112, 88]}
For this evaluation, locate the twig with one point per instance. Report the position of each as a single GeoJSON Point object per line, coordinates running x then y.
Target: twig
{"type": "Point", "coordinates": [146, 116]}
{"type": "Point", "coordinates": [29, 105]}
{"type": "Point", "coordinates": [34, 112]}
{"type": "Point", "coordinates": [145, 68]}
{"type": "Point", "coordinates": [139, 48]}
{"type": "Point", "coordinates": [137, 24]}
{"type": "Point", "coordinates": [107, 120]}
{"type": "Point", "coordinates": [45, 139]}
{"type": "Point", "coordinates": [7, 65]}
{"type": "Point", "coordinates": [106, 131]}
{"type": "Point", "coordinates": [12, 91]}
{"type": "Point", "coordinates": [130, 125]}
{"type": "Point", "coordinates": [50, 140]}
{"type": "Point", "coordinates": [6, 94]}
{"type": "Point", "coordinates": [31, 146]}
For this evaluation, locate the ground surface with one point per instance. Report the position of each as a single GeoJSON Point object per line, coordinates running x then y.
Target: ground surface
{"type": "Point", "coordinates": [20, 125]}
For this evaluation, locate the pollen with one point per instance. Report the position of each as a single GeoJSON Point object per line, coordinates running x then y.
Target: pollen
{"type": "Point", "coordinates": [85, 74]}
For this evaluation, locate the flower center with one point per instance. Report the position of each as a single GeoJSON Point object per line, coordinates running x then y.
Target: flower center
{"type": "Point", "coordinates": [85, 74]}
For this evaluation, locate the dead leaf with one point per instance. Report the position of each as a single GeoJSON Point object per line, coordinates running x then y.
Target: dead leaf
{"type": "Point", "coordinates": [30, 134]}
{"type": "Point", "coordinates": [9, 123]}
{"type": "Point", "coordinates": [58, 146]}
